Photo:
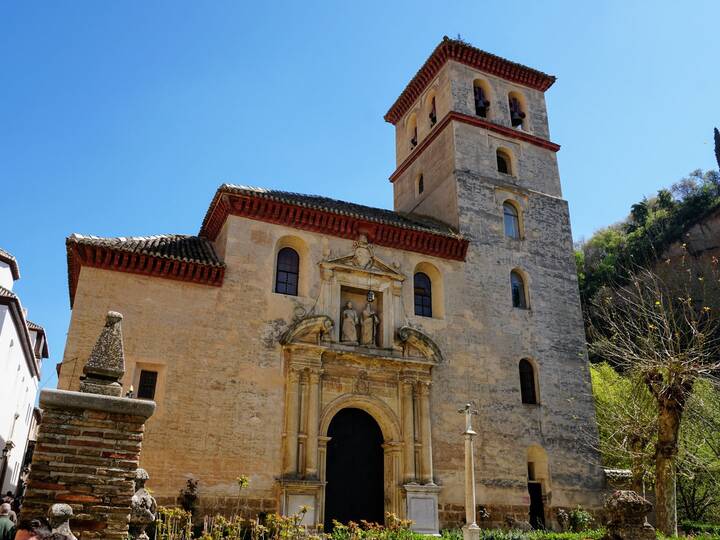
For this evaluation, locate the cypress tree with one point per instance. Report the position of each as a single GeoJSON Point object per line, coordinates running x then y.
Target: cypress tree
{"type": "Point", "coordinates": [717, 146]}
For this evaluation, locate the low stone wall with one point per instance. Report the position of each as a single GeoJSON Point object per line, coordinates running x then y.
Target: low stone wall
{"type": "Point", "coordinates": [248, 507]}
{"type": "Point", "coordinates": [452, 516]}
{"type": "Point", "coordinates": [87, 452]}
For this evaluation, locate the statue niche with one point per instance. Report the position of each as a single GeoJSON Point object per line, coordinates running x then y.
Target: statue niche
{"type": "Point", "coordinates": [360, 327]}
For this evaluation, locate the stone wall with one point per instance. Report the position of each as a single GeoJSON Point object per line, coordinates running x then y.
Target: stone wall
{"type": "Point", "coordinates": [88, 446]}
{"type": "Point", "coordinates": [87, 452]}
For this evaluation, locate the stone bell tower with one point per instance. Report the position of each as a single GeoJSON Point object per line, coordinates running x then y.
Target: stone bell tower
{"type": "Point", "coordinates": [469, 117]}
{"type": "Point", "coordinates": [473, 151]}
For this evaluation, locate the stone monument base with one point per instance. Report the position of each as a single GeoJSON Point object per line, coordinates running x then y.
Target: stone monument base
{"type": "Point", "coordinates": [422, 507]}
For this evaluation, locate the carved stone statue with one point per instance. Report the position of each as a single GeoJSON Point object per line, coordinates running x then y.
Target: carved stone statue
{"type": "Point", "coordinates": [349, 324]}
{"type": "Point", "coordinates": [142, 507]}
{"type": "Point", "coordinates": [59, 518]}
{"type": "Point", "coordinates": [370, 321]}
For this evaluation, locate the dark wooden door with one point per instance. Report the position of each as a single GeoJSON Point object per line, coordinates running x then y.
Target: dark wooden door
{"type": "Point", "coordinates": [537, 508]}
{"type": "Point", "coordinates": [354, 469]}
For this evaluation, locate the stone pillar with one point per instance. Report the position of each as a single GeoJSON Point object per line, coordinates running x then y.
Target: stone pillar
{"type": "Point", "coordinates": [470, 531]}
{"type": "Point", "coordinates": [426, 467]}
{"type": "Point", "coordinates": [292, 423]}
{"type": "Point", "coordinates": [313, 420]}
{"type": "Point", "coordinates": [88, 446]}
{"type": "Point", "coordinates": [408, 421]}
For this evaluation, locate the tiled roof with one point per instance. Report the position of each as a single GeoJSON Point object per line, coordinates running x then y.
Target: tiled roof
{"type": "Point", "coordinates": [335, 206]}
{"type": "Point", "coordinates": [460, 51]}
{"type": "Point", "coordinates": [10, 299]}
{"type": "Point", "coordinates": [167, 246]}
{"type": "Point", "coordinates": [172, 256]}
{"type": "Point", "coordinates": [8, 258]}
{"type": "Point", "coordinates": [34, 326]}
{"type": "Point", "coordinates": [7, 293]}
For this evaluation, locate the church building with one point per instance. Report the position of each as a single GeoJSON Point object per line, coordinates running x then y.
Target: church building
{"type": "Point", "coordinates": [323, 348]}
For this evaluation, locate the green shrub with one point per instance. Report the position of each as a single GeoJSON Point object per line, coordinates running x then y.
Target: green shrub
{"type": "Point", "coordinates": [579, 520]}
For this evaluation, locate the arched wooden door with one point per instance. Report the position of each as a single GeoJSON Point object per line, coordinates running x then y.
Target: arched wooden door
{"type": "Point", "coordinates": [354, 469]}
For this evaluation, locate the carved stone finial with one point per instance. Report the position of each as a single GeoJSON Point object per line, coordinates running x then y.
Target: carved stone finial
{"type": "Point", "coordinates": [142, 507]}
{"type": "Point", "coordinates": [626, 511]}
{"type": "Point", "coordinates": [59, 518]}
{"type": "Point", "coordinates": [106, 365]}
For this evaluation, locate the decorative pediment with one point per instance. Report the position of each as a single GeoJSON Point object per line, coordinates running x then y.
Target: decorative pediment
{"type": "Point", "coordinates": [413, 338]}
{"type": "Point", "coordinates": [308, 330]}
{"type": "Point", "coordinates": [363, 259]}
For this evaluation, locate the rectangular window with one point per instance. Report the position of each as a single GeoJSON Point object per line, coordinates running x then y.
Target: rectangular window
{"type": "Point", "coordinates": [531, 471]}
{"type": "Point", "coordinates": [147, 384]}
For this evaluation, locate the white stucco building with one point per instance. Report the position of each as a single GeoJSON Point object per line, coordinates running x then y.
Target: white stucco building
{"type": "Point", "coordinates": [22, 348]}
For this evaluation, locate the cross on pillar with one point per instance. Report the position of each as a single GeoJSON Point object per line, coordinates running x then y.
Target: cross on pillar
{"type": "Point", "coordinates": [470, 531]}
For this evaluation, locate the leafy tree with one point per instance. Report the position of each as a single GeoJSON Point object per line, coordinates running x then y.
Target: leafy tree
{"type": "Point", "coordinates": [627, 422]}
{"type": "Point", "coordinates": [664, 200]}
{"type": "Point", "coordinates": [661, 330]}
{"type": "Point", "coordinates": [639, 212]}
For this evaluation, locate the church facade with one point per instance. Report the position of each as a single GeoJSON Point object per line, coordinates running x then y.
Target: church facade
{"type": "Point", "coordinates": [323, 348]}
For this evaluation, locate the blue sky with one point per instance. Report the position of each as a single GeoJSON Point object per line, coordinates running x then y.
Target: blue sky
{"type": "Point", "coordinates": [122, 118]}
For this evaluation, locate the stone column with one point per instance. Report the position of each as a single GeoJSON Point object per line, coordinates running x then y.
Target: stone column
{"type": "Point", "coordinates": [470, 531]}
{"type": "Point", "coordinates": [292, 422]}
{"type": "Point", "coordinates": [313, 419]}
{"type": "Point", "coordinates": [426, 467]}
{"type": "Point", "coordinates": [408, 421]}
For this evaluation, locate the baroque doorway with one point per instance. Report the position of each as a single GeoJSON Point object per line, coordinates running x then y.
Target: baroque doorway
{"type": "Point", "coordinates": [354, 469]}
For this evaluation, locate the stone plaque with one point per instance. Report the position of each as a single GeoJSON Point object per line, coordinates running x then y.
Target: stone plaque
{"type": "Point", "coordinates": [297, 500]}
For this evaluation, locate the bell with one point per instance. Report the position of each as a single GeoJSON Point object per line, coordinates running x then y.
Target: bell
{"type": "Point", "coordinates": [516, 118]}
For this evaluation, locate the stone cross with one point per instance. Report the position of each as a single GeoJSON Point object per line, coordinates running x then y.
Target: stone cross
{"type": "Point", "coordinates": [106, 365]}
{"type": "Point", "coordinates": [471, 531]}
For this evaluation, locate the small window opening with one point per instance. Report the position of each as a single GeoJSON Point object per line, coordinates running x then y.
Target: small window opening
{"type": "Point", "coordinates": [531, 471]}
{"type": "Point", "coordinates": [517, 115]}
{"type": "Point", "coordinates": [503, 162]}
{"type": "Point", "coordinates": [527, 383]}
{"type": "Point", "coordinates": [147, 384]}
{"type": "Point", "coordinates": [512, 221]}
{"type": "Point", "coordinates": [421, 184]}
{"type": "Point", "coordinates": [482, 104]}
{"type": "Point", "coordinates": [423, 295]}
{"type": "Point", "coordinates": [433, 112]}
{"type": "Point", "coordinates": [517, 285]}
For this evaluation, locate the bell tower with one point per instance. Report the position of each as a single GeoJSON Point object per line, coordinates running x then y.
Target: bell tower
{"type": "Point", "coordinates": [467, 118]}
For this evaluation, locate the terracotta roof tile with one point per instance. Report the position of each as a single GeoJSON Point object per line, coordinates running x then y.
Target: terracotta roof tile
{"type": "Point", "coordinates": [34, 326]}
{"type": "Point", "coordinates": [8, 258]}
{"type": "Point", "coordinates": [460, 51]}
{"type": "Point", "coordinates": [335, 206]}
{"type": "Point", "coordinates": [167, 246]}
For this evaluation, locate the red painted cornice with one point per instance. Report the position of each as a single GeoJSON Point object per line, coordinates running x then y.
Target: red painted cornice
{"type": "Point", "coordinates": [473, 121]}
{"type": "Point", "coordinates": [107, 258]}
{"type": "Point", "coordinates": [326, 222]}
{"type": "Point", "coordinates": [452, 49]}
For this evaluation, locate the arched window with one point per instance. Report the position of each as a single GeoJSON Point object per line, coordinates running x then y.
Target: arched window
{"type": "Point", "coordinates": [423, 295]}
{"type": "Point", "coordinates": [512, 221]}
{"type": "Point", "coordinates": [503, 162]}
{"type": "Point", "coordinates": [433, 112]}
{"type": "Point", "coordinates": [517, 285]}
{"type": "Point", "coordinates": [413, 131]}
{"type": "Point", "coordinates": [287, 272]}
{"type": "Point", "coordinates": [517, 114]}
{"type": "Point", "coordinates": [421, 184]}
{"type": "Point", "coordinates": [480, 95]}
{"type": "Point", "coordinates": [527, 383]}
